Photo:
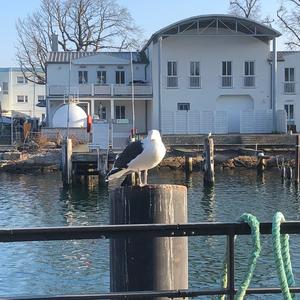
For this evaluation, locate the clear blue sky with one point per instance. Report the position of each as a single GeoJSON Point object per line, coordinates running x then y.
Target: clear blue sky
{"type": "Point", "coordinates": [149, 15]}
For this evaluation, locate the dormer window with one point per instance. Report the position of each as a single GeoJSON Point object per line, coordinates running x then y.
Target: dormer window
{"type": "Point", "coordinates": [120, 77]}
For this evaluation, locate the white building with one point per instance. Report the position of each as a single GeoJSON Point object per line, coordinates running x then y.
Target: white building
{"type": "Point", "coordinates": [213, 73]}
{"type": "Point", "coordinates": [19, 95]}
{"type": "Point", "coordinates": [101, 84]}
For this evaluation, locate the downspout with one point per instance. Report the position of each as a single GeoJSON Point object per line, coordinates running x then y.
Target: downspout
{"type": "Point", "coordinates": [159, 83]}
{"type": "Point", "coordinates": [274, 86]}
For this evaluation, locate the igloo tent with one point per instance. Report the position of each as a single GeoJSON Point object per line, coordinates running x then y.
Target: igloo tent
{"type": "Point", "coordinates": [77, 116]}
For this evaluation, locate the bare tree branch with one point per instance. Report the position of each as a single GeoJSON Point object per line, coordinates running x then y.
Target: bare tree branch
{"type": "Point", "coordinates": [81, 25]}
{"type": "Point", "coordinates": [289, 20]}
{"type": "Point", "coordinates": [245, 8]}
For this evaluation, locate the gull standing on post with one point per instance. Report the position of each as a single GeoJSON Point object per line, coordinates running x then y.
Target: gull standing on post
{"type": "Point", "coordinates": [139, 156]}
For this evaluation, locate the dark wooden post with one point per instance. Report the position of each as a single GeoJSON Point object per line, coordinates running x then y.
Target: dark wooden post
{"type": "Point", "coordinates": [297, 159]}
{"type": "Point", "coordinates": [145, 263]}
{"type": "Point", "coordinates": [261, 165]}
{"type": "Point", "coordinates": [188, 164]}
{"type": "Point", "coordinates": [67, 161]}
{"type": "Point", "coordinates": [209, 169]}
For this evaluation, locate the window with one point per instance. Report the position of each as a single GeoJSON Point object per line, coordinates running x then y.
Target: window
{"type": "Point", "coordinates": [120, 77]}
{"type": "Point", "coordinates": [194, 74]}
{"type": "Point", "coordinates": [289, 80]}
{"type": "Point", "coordinates": [289, 74]}
{"type": "Point", "coordinates": [249, 79]}
{"type": "Point", "coordinates": [172, 79]}
{"type": "Point", "coordinates": [21, 79]}
{"type": "Point", "coordinates": [289, 108]}
{"type": "Point", "coordinates": [226, 74]}
{"type": "Point", "coordinates": [101, 77]}
{"type": "Point", "coordinates": [41, 98]}
{"type": "Point", "coordinates": [5, 88]}
{"type": "Point", "coordinates": [102, 112]}
{"type": "Point", "coordinates": [82, 77]}
{"type": "Point", "coordinates": [120, 112]}
{"type": "Point", "coordinates": [22, 99]}
{"type": "Point", "coordinates": [183, 106]}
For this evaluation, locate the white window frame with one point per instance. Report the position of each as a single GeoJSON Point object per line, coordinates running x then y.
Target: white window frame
{"type": "Point", "coordinates": [290, 114]}
{"type": "Point", "coordinates": [195, 78]}
{"type": "Point", "coordinates": [21, 80]}
{"type": "Point", "coordinates": [101, 77]}
{"type": "Point", "coordinates": [119, 78]}
{"type": "Point", "coordinates": [172, 74]}
{"type": "Point", "coordinates": [22, 99]}
{"type": "Point", "coordinates": [226, 76]}
{"type": "Point", "coordinates": [118, 111]}
{"type": "Point", "coordinates": [289, 84]}
{"type": "Point", "coordinates": [83, 77]}
{"type": "Point", "coordinates": [249, 75]}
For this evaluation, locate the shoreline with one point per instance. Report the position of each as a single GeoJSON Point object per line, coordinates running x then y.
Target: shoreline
{"type": "Point", "coordinates": [49, 160]}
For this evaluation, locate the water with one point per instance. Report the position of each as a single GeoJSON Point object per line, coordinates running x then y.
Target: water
{"type": "Point", "coordinates": [70, 267]}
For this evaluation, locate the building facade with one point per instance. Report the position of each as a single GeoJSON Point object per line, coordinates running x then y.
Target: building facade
{"type": "Point", "coordinates": [101, 83]}
{"type": "Point", "coordinates": [18, 95]}
{"type": "Point", "coordinates": [213, 73]}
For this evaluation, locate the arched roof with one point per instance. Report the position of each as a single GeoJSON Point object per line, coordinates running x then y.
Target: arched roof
{"type": "Point", "coordinates": [235, 25]}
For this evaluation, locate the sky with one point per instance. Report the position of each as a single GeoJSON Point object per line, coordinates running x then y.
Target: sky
{"type": "Point", "coordinates": [150, 16]}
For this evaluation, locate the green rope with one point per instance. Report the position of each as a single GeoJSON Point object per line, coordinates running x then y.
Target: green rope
{"type": "Point", "coordinates": [282, 257]}
{"type": "Point", "coordinates": [255, 234]}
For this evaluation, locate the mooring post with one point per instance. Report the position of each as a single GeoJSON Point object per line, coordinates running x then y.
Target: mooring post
{"type": "Point", "coordinates": [209, 169]}
{"type": "Point", "coordinates": [188, 164]}
{"type": "Point", "coordinates": [261, 165]}
{"type": "Point", "coordinates": [147, 263]}
{"type": "Point", "coordinates": [102, 166]}
{"type": "Point", "coordinates": [67, 162]}
{"type": "Point", "coordinates": [297, 159]}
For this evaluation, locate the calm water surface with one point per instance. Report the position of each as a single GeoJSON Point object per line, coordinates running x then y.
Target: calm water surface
{"type": "Point", "coordinates": [70, 267]}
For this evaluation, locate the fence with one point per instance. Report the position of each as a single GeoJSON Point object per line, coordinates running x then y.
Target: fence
{"type": "Point", "coordinates": [203, 122]}
{"type": "Point", "coordinates": [151, 230]}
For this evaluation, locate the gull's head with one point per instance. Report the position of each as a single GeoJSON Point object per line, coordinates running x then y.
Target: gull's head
{"type": "Point", "coordinates": [154, 135]}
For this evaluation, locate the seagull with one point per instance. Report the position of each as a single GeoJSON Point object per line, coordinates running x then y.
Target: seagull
{"type": "Point", "coordinates": [139, 156]}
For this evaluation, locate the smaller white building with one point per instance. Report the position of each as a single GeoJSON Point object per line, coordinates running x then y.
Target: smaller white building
{"type": "Point", "coordinates": [18, 95]}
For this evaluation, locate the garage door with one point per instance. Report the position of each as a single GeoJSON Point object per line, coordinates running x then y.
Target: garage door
{"type": "Point", "coordinates": [233, 105]}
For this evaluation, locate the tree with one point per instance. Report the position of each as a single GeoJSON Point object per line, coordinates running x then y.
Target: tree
{"type": "Point", "coordinates": [245, 8]}
{"type": "Point", "coordinates": [289, 19]}
{"type": "Point", "coordinates": [81, 25]}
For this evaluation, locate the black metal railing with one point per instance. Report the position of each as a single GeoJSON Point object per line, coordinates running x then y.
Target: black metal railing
{"type": "Point", "coordinates": [150, 230]}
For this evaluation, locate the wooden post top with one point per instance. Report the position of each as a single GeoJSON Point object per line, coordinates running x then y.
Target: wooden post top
{"type": "Point", "coordinates": [161, 187]}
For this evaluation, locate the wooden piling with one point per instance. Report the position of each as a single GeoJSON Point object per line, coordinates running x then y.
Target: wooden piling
{"type": "Point", "coordinates": [145, 263]}
{"type": "Point", "coordinates": [67, 161]}
{"type": "Point", "coordinates": [297, 159]}
{"type": "Point", "coordinates": [209, 169]}
{"type": "Point", "coordinates": [261, 165]}
{"type": "Point", "coordinates": [102, 166]}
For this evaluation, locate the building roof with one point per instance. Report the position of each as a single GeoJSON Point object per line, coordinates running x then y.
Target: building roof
{"type": "Point", "coordinates": [65, 57]}
{"type": "Point", "coordinates": [201, 23]}
{"type": "Point", "coordinates": [282, 54]}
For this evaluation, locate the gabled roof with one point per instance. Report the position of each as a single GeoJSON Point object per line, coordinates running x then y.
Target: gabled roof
{"type": "Point", "coordinates": [201, 23]}
{"type": "Point", "coordinates": [65, 57]}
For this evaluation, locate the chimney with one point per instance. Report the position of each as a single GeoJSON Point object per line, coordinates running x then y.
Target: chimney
{"type": "Point", "coordinates": [54, 44]}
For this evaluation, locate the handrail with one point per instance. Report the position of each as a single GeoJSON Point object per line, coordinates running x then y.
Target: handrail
{"type": "Point", "coordinates": [149, 230]}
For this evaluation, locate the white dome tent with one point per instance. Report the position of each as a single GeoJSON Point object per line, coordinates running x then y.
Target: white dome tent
{"type": "Point", "coordinates": [77, 117]}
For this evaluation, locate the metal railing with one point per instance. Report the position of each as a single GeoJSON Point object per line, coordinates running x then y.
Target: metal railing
{"type": "Point", "coordinates": [289, 87]}
{"type": "Point", "coordinates": [226, 81]}
{"type": "Point", "coordinates": [151, 230]}
{"type": "Point", "coordinates": [172, 81]}
{"type": "Point", "coordinates": [248, 81]}
{"type": "Point", "coordinates": [195, 82]}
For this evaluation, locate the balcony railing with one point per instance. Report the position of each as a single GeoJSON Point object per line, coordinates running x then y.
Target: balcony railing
{"type": "Point", "coordinates": [226, 81]}
{"type": "Point", "coordinates": [172, 81]}
{"type": "Point", "coordinates": [289, 87]}
{"type": "Point", "coordinates": [195, 82]}
{"type": "Point", "coordinates": [249, 81]}
{"type": "Point", "coordinates": [98, 90]}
